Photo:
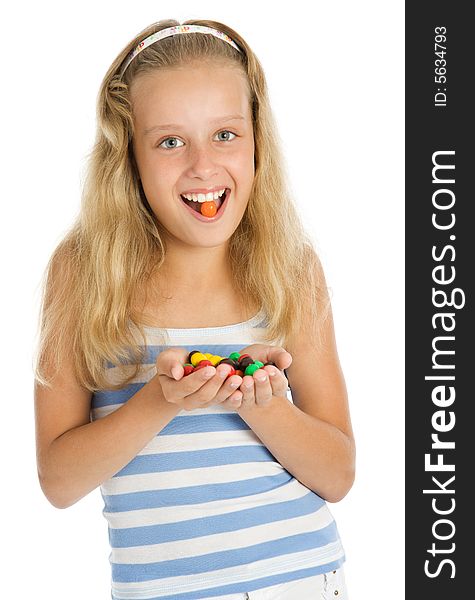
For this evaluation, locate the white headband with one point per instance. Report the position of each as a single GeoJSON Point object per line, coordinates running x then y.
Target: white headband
{"type": "Point", "coordinates": [169, 31]}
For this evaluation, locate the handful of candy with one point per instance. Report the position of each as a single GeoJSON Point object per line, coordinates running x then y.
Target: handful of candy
{"type": "Point", "coordinates": [241, 364]}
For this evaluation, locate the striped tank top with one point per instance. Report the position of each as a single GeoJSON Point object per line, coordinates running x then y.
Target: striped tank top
{"type": "Point", "coordinates": [205, 509]}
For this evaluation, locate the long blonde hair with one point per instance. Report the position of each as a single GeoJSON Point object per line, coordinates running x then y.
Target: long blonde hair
{"type": "Point", "coordinates": [115, 245]}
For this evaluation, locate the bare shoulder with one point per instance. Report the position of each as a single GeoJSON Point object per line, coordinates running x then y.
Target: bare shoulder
{"type": "Point", "coordinates": [315, 375]}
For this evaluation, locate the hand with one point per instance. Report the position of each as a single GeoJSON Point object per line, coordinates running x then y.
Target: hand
{"type": "Point", "coordinates": [263, 384]}
{"type": "Point", "coordinates": [201, 388]}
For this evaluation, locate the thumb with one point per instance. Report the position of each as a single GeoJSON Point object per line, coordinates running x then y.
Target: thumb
{"type": "Point", "coordinates": [177, 371]}
{"type": "Point", "coordinates": [280, 357]}
{"type": "Point", "coordinates": [169, 362]}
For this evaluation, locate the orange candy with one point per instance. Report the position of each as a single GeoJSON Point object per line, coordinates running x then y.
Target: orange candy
{"type": "Point", "coordinates": [208, 209]}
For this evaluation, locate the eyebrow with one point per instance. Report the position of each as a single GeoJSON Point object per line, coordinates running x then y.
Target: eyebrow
{"type": "Point", "coordinates": [166, 126]}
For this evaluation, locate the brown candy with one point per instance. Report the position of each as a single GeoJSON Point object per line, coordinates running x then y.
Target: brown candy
{"type": "Point", "coordinates": [245, 362]}
{"type": "Point", "coordinates": [228, 361]}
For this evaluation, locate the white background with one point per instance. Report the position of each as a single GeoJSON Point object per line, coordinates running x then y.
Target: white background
{"type": "Point", "coordinates": [335, 74]}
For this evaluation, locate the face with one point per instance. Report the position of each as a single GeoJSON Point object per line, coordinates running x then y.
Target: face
{"type": "Point", "coordinates": [193, 139]}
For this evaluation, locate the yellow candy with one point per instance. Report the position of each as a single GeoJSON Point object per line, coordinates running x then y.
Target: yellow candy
{"type": "Point", "coordinates": [208, 355]}
{"type": "Point", "coordinates": [197, 357]}
{"type": "Point", "coordinates": [215, 360]}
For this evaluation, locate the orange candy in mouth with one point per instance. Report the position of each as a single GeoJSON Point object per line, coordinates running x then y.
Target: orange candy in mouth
{"type": "Point", "coordinates": [209, 209]}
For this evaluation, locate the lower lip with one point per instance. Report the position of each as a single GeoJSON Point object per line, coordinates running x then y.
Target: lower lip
{"type": "Point", "coordinates": [216, 217]}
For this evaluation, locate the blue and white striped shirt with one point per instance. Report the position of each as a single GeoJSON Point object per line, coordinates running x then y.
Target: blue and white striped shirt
{"type": "Point", "coordinates": [205, 509]}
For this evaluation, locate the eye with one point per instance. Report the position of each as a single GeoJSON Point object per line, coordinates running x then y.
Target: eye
{"type": "Point", "coordinates": [170, 143]}
{"type": "Point", "coordinates": [226, 135]}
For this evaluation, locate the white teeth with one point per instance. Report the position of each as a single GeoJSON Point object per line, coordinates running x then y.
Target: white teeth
{"type": "Point", "coordinates": [204, 197]}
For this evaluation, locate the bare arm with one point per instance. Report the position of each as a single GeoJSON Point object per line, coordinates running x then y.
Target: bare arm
{"type": "Point", "coordinates": [75, 456]}
{"type": "Point", "coordinates": [312, 438]}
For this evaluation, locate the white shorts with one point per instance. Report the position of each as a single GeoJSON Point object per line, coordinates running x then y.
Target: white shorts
{"type": "Point", "coordinates": [328, 586]}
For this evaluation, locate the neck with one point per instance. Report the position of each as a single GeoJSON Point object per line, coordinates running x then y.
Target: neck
{"type": "Point", "coordinates": [195, 271]}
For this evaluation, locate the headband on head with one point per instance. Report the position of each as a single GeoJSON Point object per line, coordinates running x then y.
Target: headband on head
{"type": "Point", "coordinates": [169, 31]}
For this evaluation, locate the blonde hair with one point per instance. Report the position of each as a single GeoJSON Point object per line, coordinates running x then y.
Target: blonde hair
{"type": "Point", "coordinates": [115, 245]}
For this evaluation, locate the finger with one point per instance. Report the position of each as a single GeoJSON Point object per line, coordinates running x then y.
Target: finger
{"type": "Point", "coordinates": [207, 392]}
{"type": "Point", "coordinates": [280, 357]}
{"type": "Point", "coordinates": [247, 389]}
{"type": "Point", "coordinates": [263, 389]}
{"type": "Point", "coordinates": [230, 385]}
{"type": "Point", "coordinates": [278, 381]}
{"type": "Point", "coordinates": [266, 353]}
{"type": "Point", "coordinates": [188, 385]}
{"type": "Point", "coordinates": [258, 352]}
{"type": "Point", "coordinates": [234, 401]}
{"type": "Point", "coordinates": [170, 362]}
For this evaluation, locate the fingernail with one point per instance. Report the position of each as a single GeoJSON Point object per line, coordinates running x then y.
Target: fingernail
{"type": "Point", "coordinates": [261, 378]}
{"type": "Point", "coordinates": [208, 372]}
{"type": "Point", "coordinates": [234, 384]}
{"type": "Point", "coordinates": [272, 373]}
{"type": "Point", "coordinates": [176, 372]}
{"type": "Point", "coordinates": [223, 373]}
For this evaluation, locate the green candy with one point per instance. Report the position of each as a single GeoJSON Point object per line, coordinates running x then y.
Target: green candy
{"type": "Point", "coordinates": [258, 362]}
{"type": "Point", "coordinates": [251, 369]}
{"type": "Point", "coordinates": [234, 356]}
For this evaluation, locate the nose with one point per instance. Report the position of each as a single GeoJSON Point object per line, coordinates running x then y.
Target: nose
{"type": "Point", "coordinates": [202, 162]}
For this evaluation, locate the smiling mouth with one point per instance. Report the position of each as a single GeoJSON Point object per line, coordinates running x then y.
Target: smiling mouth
{"type": "Point", "coordinates": [196, 201]}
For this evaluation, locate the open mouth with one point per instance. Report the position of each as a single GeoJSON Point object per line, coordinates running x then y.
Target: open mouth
{"type": "Point", "coordinates": [206, 204]}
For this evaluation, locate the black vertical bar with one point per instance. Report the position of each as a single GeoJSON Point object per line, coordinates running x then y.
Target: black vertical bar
{"type": "Point", "coordinates": [440, 259]}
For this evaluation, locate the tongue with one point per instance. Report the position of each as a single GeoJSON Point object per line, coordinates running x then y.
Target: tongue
{"type": "Point", "coordinates": [193, 205]}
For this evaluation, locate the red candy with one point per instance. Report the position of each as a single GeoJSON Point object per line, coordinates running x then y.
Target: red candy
{"type": "Point", "coordinates": [188, 369]}
{"type": "Point", "coordinates": [200, 366]}
{"type": "Point", "coordinates": [204, 363]}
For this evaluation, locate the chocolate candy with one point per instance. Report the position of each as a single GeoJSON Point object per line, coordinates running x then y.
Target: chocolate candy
{"type": "Point", "coordinates": [227, 361]}
{"type": "Point", "coordinates": [241, 364]}
{"type": "Point", "coordinates": [190, 355]}
{"type": "Point", "coordinates": [209, 209]}
{"type": "Point", "coordinates": [204, 363]}
{"type": "Point", "coordinates": [197, 357]}
{"type": "Point", "coordinates": [251, 369]}
{"type": "Point", "coordinates": [200, 366]}
{"type": "Point", "coordinates": [188, 369]}
{"type": "Point", "coordinates": [245, 362]}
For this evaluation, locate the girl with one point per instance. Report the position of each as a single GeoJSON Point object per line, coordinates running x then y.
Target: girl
{"type": "Point", "coordinates": [214, 485]}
